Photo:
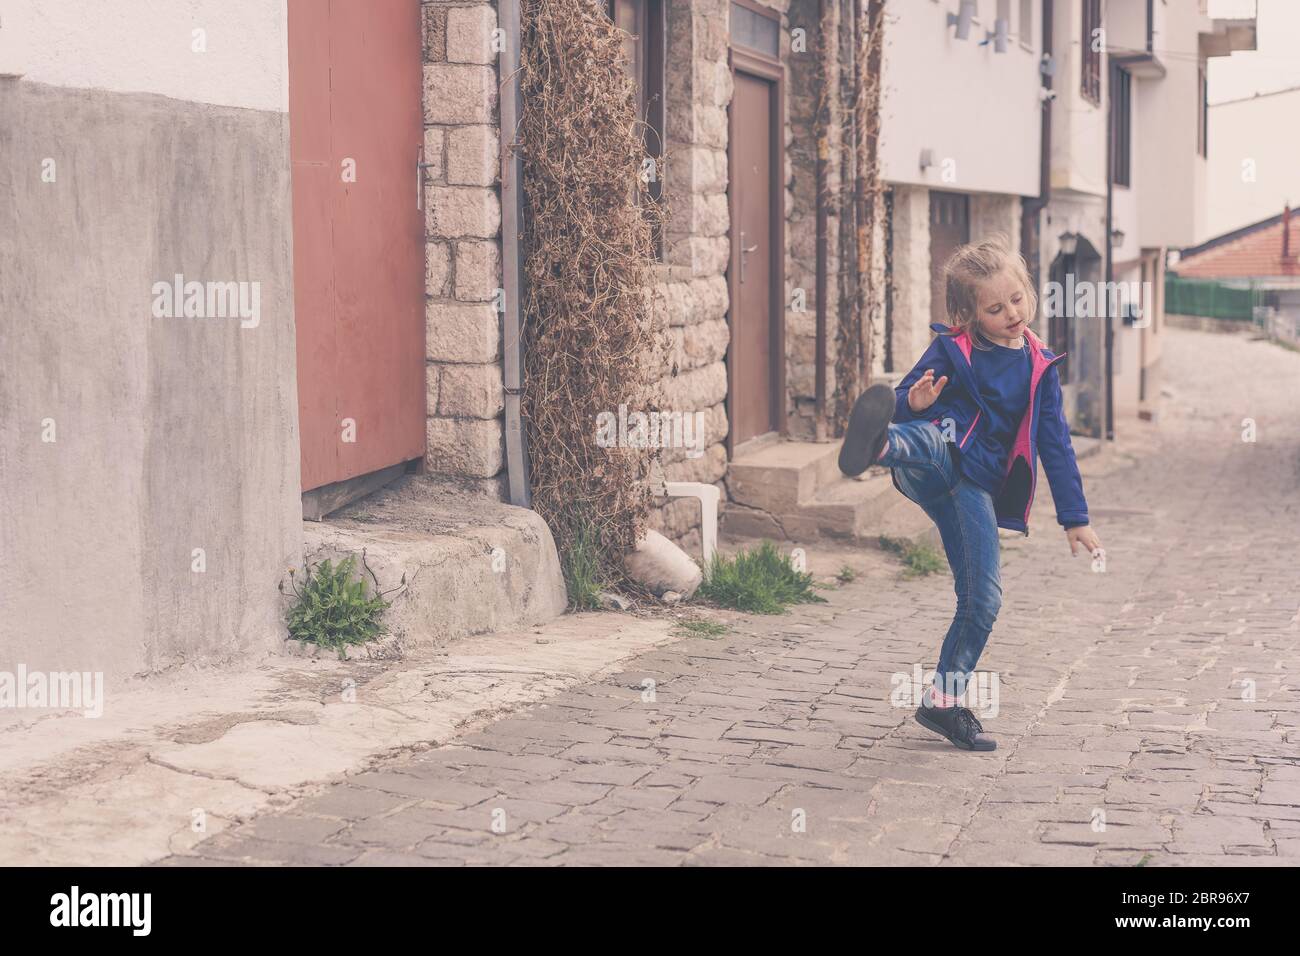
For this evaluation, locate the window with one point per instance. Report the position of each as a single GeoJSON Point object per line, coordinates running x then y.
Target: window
{"type": "Point", "coordinates": [755, 31]}
{"type": "Point", "coordinates": [1121, 110]}
{"type": "Point", "coordinates": [1026, 23]}
{"type": "Point", "coordinates": [643, 22]}
{"type": "Point", "coordinates": [1091, 40]}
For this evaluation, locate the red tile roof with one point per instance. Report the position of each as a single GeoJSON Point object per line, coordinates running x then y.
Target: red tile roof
{"type": "Point", "coordinates": [1256, 253]}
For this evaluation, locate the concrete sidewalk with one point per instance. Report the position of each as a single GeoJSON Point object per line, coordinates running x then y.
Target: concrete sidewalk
{"type": "Point", "coordinates": [180, 757]}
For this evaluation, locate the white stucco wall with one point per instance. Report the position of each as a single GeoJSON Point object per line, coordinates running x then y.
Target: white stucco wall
{"type": "Point", "coordinates": [149, 461]}
{"type": "Point", "coordinates": [969, 105]}
{"type": "Point", "coordinates": [1078, 125]}
{"type": "Point", "coordinates": [1254, 163]}
{"type": "Point", "coordinates": [148, 46]}
{"type": "Point", "coordinates": [1173, 208]}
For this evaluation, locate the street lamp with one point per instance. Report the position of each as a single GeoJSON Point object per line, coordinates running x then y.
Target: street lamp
{"type": "Point", "coordinates": [962, 19]}
{"type": "Point", "coordinates": [998, 36]}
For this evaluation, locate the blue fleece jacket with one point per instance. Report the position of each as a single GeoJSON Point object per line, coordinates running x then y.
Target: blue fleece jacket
{"type": "Point", "coordinates": [1042, 427]}
{"type": "Point", "coordinates": [1002, 375]}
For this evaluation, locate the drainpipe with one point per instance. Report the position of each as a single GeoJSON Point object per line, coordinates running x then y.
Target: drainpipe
{"type": "Point", "coordinates": [1031, 211]}
{"type": "Point", "coordinates": [512, 259]}
{"type": "Point", "coordinates": [1109, 427]}
{"type": "Point", "coordinates": [823, 156]}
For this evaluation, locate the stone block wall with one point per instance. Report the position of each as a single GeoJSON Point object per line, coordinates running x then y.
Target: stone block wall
{"type": "Point", "coordinates": [802, 68]}
{"type": "Point", "coordinates": [910, 308]}
{"type": "Point", "coordinates": [463, 242]}
{"type": "Point", "coordinates": [691, 284]}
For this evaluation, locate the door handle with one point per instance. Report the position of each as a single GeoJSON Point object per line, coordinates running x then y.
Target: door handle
{"type": "Point", "coordinates": [744, 251]}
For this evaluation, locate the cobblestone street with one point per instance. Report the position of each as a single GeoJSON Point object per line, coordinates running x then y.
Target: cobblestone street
{"type": "Point", "coordinates": [1146, 712]}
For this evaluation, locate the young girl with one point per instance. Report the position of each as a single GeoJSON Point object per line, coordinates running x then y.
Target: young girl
{"type": "Point", "coordinates": [968, 424]}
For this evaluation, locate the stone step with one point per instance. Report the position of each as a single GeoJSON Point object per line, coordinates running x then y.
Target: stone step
{"type": "Point", "coordinates": [470, 568]}
{"type": "Point", "coordinates": [814, 502]}
{"type": "Point", "coordinates": [780, 477]}
{"type": "Point", "coordinates": [852, 507]}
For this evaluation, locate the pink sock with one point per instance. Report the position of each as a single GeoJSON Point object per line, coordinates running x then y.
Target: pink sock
{"type": "Point", "coordinates": [884, 451]}
{"type": "Point", "coordinates": [937, 698]}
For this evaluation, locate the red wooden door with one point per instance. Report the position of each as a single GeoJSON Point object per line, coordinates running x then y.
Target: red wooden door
{"type": "Point", "coordinates": [355, 127]}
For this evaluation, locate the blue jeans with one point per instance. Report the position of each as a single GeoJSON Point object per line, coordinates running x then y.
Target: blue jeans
{"type": "Point", "coordinates": [963, 511]}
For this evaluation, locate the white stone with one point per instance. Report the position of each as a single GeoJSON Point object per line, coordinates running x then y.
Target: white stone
{"type": "Point", "coordinates": [660, 566]}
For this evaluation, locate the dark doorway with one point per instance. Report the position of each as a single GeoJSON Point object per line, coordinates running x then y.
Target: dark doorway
{"type": "Point", "coordinates": [949, 229]}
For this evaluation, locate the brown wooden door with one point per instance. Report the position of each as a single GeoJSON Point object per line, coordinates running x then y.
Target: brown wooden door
{"type": "Point", "coordinates": [355, 126]}
{"type": "Point", "coordinates": [754, 316]}
{"type": "Point", "coordinates": [949, 228]}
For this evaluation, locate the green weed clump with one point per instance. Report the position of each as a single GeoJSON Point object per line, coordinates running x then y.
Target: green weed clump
{"type": "Point", "coordinates": [581, 563]}
{"type": "Point", "coordinates": [702, 628]}
{"type": "Point", "coordinates": [918, 559]}
{"type": "Point", "coordinates": [757, 581]}
{"type": "Point", "coordinates": [335, 606]}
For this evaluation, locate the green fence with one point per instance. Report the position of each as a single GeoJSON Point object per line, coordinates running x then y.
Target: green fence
{"type": "Point", "coordinates": [1209, 298]}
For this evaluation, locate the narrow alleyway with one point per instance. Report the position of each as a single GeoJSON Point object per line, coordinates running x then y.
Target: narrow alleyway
{"type": "Point", "coordinates": [1147, 713]}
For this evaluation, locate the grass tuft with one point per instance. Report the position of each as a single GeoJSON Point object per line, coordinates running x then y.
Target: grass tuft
{"type": "Point", "coordinates": [581, 564]}
{"type": "Point", "coordinates": [757, 581]}
{"type": "Point", "coordinates": [918, 559]}
{"type": "Point", "coordinates": [702, 628]}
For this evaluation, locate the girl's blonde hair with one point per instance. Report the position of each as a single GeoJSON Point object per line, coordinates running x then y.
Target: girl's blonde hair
{"type": "Point", "coordinates": [974, 263]}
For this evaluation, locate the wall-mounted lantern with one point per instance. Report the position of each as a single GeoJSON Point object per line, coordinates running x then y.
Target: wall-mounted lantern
{"type": "Point", "coordinates": [999, 36]}
{"type": "Point", "coordinates": [1117, 237]}
{"type": "Point", "coordinates": [962, 19]}
{"type": "Point", "coordinates": [1069, 243]}
{"type": "Point", "coordinates": [927, 159]}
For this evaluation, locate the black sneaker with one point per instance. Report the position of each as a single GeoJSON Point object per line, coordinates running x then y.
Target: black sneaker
{"type": "Point", "coordinates": [958, 724]}
{"type": "Point", "coordinates": [868, 429]}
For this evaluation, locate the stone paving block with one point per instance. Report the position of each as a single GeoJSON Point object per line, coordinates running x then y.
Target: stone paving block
{"type": "Point", "coordinates": [546, 730]}
{"type": "Point", "coordinates": [1113, 836]}
{"type": "Point", "coordinates": [402, 829]}
{"type": "Point", "coordinates": [291, 827]}
{"type": "Point", "coordinates": [388, 858]}
{"type": "Point", "coordinates": [778, 735]}
{"type": "Point", "coordinates": [266, 851]}
{"type": "Point", "coordinates": [731, 790]}
{"type": "Point", "coordinates": [563, 792]}
{"type": "Point", "coordinates": [612, 774]}
{"type": "Point", "coordinates": [602, 753]}
{"type": "Point", "coordinates": [351, 803]}
{"type": "Point", "coordinates": [443, 789]}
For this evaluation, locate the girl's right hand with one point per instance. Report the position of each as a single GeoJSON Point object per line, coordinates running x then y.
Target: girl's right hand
{"type": "Point", "coordinates": [925, 391]}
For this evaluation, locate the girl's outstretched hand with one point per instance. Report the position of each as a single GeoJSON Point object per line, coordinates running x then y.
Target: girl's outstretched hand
{"type": "Point", "coordinates": [1083, 535]}
{"type": "Point", "coordinates": [925, 390]}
